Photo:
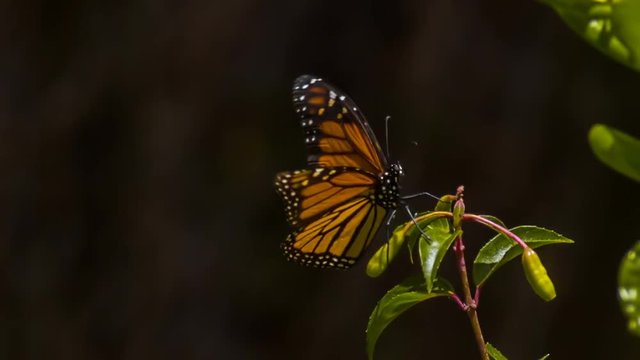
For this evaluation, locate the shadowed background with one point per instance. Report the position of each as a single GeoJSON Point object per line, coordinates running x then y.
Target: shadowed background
{"type": "Point", "coordinates": [139, 142]}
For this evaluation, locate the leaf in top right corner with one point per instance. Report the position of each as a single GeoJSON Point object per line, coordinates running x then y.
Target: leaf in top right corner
{"type": "Point", "coordinates": [616, 149]}
{"type": "Point", "coordinates": [629, 288]}
{"type": "Point", "coordinates": [611, 26]}
{"type": "Point", "coordinates": [501, 249]}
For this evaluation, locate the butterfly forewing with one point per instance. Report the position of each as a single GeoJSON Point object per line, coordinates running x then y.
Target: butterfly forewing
{"type": "Point", "coordinates": [336, 132]}
{"type": "Point", "coordinates": [308, 194]}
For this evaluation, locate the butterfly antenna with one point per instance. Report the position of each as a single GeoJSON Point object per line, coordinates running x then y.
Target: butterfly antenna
{"type": "Point", "coordinates": [424, 193]}
{"type": "Point", "coordinates": [386, 135]}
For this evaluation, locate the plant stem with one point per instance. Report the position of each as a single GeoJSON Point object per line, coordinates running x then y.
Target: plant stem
{"type": "Point", "coordinates": [496, 227]}
{"type": "Point", "coordinates": [458, 302]}
{"type": "Point", "coordinates": [469, 300]}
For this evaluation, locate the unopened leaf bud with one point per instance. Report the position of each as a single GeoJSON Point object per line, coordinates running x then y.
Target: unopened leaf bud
{"type": "Point", "coordinates": [537, 275]}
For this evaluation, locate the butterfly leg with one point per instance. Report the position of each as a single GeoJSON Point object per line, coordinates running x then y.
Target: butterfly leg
{"type": "Point", "coordinates": [392, 215]}
{"type": "Point", "coordinates": [420, 194]}
{"type": "Point", "coordinates": [413, 219]}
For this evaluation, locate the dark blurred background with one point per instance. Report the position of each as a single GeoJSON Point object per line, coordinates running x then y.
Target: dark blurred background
{"type": "Point", "coordinates": [139, 141]}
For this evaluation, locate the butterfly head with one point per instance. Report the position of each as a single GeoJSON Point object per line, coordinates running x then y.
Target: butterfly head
{"type": "Point", "coordinates": [396, 169]}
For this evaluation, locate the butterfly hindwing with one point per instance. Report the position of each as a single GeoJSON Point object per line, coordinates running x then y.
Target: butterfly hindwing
{"type": "Point", "coordinates": [338, 238]}
{"type": "Point", "coordinates": [336, 132]}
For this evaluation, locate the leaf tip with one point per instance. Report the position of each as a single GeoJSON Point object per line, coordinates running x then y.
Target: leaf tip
{"type": "Point", "coordinates": [600, 138]}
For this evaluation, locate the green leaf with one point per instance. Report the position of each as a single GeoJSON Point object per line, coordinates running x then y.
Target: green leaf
{"type": "Point", "coordinates": [413, 233]}
{"type": "Point", "coordinates": [613, 27]}
{"type": "Point", "coordinates": [494, 353]}
{"type": "Point", "coordinates": [545, 357]}
{"type": "Point", "coordinates": [616, 149]}
{"type": "Point", "coordinates": [500, 249]}
{"type": "Point", "coordinates": [629, 288]}
{"type": "Point", "coordinates": [398, 300]}
{"type": "Point", "coordinates": [442, 223]}
{"type": "Point", "coordinates": [405, 232]}
{"type": "Point", "coordinates": [494, 219]}
{"type": "Point", "coordinates": [387, 252]}
{"type": "Point", "coordinates": [432, 252]}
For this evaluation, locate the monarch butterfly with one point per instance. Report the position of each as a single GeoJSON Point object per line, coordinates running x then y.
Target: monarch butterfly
{"type": "Point", "coordinates": [338, 203]}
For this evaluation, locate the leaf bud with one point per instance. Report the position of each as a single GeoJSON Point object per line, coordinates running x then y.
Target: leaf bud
{"type": "Point", "coordinates": [537, 275]}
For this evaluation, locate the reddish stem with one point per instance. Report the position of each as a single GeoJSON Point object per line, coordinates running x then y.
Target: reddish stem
{"type": "Point", "coordinates": [470, 304]}
{"type": "Point", "coordinates": [496, 227]}
{"type": "Point", "coordinates": [457, 300]}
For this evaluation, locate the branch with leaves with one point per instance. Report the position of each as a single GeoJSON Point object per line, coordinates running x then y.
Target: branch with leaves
{"type": "Point", "coordinates": [440, 232]}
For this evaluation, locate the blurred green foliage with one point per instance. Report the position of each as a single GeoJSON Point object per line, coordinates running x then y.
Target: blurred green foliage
{"type": "Point", "coordinates": [616, 149]}
{"type": "Point", "coordinates": [612, 26]}
{"type": "Point", "coordinates": [629, 288]}
{"type": "Point", "coordinates": [621, 152]}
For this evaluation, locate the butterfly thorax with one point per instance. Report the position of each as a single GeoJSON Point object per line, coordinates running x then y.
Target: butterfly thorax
{"type": "Point", "coordinates": [387, 191]}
